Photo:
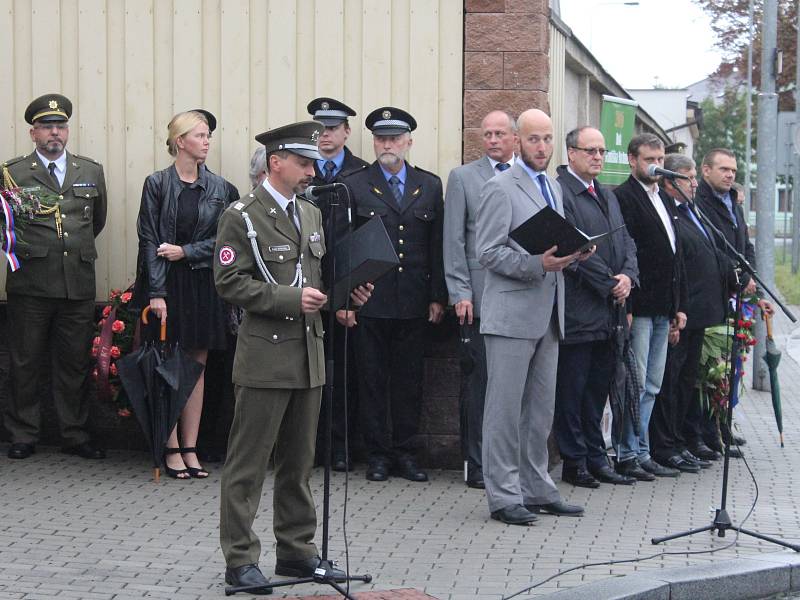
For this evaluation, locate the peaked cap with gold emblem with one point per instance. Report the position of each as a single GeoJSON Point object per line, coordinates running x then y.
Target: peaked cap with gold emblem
{"type": "Point", "coordinates": [389, 120]}
{"type": "Point", "coordinates": [299, 138]}
{"type": "Point", "coordinates": [50, 107]}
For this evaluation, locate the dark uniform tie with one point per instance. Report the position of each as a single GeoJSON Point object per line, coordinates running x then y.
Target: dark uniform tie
{"type": "Point", "coordinates": [545, 191]}
{"type": "Point", "coordinates": [52, 168]}
{"type": "Point", "coordinates": [330, 167]}
{"type": "Point", "coordinates": [290, 214]}
{"type": "Point", "coordinates": [502, 166]}
{"type": "Point", "coordinates": [394, 184]}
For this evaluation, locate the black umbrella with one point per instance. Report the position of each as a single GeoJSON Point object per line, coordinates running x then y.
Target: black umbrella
{"type": "Point", "coordinates": [158, 380]}
{"type": "Point", "coordinates": [772, 357]}
{"type": "Point", "coordinates": [624, 390]}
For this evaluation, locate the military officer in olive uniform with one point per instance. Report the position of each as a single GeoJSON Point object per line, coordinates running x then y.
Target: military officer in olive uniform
{"type": "Point", "coordinates": [51, 296]}
{"type": "Point", "coordinates": [392, 327]}
{"type": "Point", "coordinates": [337, 162]}
{"type": "Point", "coordinates": [267, 261]}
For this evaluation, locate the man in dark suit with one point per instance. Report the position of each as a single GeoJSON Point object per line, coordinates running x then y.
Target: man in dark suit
{"type": "Point", "coordinates": [718, 201]}
{"type": "Point", "coordinates": [51, 296]}
{"type": "Point", "coordinates": [657, 301]}
{"type": "Point", "coordinates": [522, 321]}
{"type": "Point", "coordinates": [596, 291]}
{"type": "Point", "coordinates": [392, 328]}
{"type": "Point", "coordinates": [336, 163]}
{"type": "Point", "coordinates": [675, 426]}
{"type": "Point", "coordinates": [465, 274]}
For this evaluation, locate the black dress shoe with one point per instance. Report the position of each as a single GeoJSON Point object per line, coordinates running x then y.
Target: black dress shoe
{"type": "Point", "coordinates": [407, 469]}
{"type": "Point", "coordinates": [211, 456]}
{"type": "Point", "coordinates": [377, 470]}
{"type": "Point", "coordinates": [85, 450]}
{"type": "Point", "coordinates": [700, 450]}
{"type": "Point", "coordinates": [658, 470]}
{"type": "Point", "coordinates": [739, 440]}
{"type": "Point", "coordinates": [606, 474]}
{"type": "Point", "coordinates": [340, 464]}
{"type": "Point", "coordinates": [691, 458]}
{"type": "Point", "coordinates": [558, 508]}
{"type": "Point", "coordinates": [631, 468]}
{"type": "Point", "coordinates": [21, 450]}
{"type": "Point", "coordinates": [475, 478]}
{"type": "Point", "coordinates": [247, 576]}
{"type": "Point", "coordinates": [514, 515]}
{"type": "Point", "coordinates": [579, 477]}
{"type": "Point", "coordinates": [676, 462]}
{"type": "Point", "coordinates": [307, 567]}
{"type": "Point", "coordinates": [735, 452]}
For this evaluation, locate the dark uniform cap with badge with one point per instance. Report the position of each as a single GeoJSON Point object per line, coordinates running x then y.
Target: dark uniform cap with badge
{"type": "Point", "coordinates": [299, 138]}
{"type": "Point", "coordinates": [389, 120]}
{"type": "Point", "coordinates": [329, 112]}
{"type": "Point", "coordinates": [49, 108]}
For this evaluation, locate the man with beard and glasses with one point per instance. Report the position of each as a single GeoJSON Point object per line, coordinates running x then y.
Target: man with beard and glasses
{"type": "Point", "coordinates": [268, 261]}
{"type": "Point", "coordinates": [51, 296]}
{"type": "Point", "coordinates": [522, 320]}
{"type": "Point", "coordinates": [392, 328]}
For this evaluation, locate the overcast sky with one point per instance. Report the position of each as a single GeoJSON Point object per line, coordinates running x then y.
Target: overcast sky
{"type": "Point", "coordinates": [664, 42]}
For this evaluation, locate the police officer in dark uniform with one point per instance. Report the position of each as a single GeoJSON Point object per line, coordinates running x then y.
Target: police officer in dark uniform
{"type": "Point", "coordinates": [51, 296]}
{"type": "Point", "coordinates": [336, 163]}
{"type": "Point", "coordinates": [267, 261]}
{"type": "Point", "coordinates": [391, 334]}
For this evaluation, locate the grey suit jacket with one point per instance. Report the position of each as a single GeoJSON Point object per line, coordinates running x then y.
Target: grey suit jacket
{"type": "Point", "coordinates": [463, 271]}
{"type": "Point", "coordinates": [518, 293]}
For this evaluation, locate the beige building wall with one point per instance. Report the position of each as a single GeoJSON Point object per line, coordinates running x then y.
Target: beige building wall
{"type": "Point", "coordinates": [129, 65]}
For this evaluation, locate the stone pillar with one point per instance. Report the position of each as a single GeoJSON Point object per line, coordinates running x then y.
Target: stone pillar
{"type": "Point", "coordinates": [506, 66]}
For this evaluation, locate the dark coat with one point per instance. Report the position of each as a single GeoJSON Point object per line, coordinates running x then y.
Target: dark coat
{"type": "Point", "coordinates": [53, 266]}
{"type": "Point", "coordinates": [589, 309]}
{"type": "Point", "coordinates": [416, 234]}
{"type": "Point", "coordinates": [707, 274]}
{"type": "Point", "coordinates": [662, 286]}
{"type": "Point", "coordinates": [325, 203]}
{"type": "Point", "coordinates": [157, 224]}
{"type": "Point", "coordinates": [736, 234]}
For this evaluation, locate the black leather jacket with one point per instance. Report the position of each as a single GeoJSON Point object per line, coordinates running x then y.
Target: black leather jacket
{"type": "Point", "coordinates": [157, 224]}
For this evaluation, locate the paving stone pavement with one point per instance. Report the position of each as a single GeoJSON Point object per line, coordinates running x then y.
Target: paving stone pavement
{"type": "Point", "coordinates": [71, 528]}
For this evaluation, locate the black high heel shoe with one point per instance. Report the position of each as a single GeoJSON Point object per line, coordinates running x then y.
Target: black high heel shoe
{"type": "Point", "coordinates": [181, 474]}
{"type": "Point", "coordinates": [196, 472]}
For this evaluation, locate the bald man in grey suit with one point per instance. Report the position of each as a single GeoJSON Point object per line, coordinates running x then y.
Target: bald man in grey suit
{"type": "Point", "coordinates": [522, 321]}
{"type": "Point", "coordinates": [464, 275]}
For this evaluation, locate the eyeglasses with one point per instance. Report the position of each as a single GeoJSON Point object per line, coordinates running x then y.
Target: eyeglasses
{"type": "Point", "coordinates": [48, 126]}
{"type": "Point", "coordinates": [592, 151]}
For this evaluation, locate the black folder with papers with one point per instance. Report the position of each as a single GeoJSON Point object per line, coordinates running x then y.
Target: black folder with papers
{"type": "Point", "coordinates": [362, 257]}
{"type": "Point", "coordinates": [547, 228]}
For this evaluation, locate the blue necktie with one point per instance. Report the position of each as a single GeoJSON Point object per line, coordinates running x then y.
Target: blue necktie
{"type": "Point", "coordinates": [330, 167]}
{"type": "Point", "coordinates": [545, 191]}
{"type": "Point", "coordinates": [394, 184]}
{"type": "Point", "coordinates": [502, 166]}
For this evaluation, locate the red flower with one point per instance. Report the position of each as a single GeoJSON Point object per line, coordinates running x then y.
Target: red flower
{"type": "Point", "coordinates": [94, 351]}
{"type": "Point", "coordinates": [124, 412]}
{"type": "Point", "coordinates": [114, 294]}
{"type": "Point", "coordinates": [740, 336]}
{"type": "Point", "coordinates": [115, 353]}
{"type": "Point", "coordinates": [126, 297]}
{"type": "Point", "coordinates": [112, 369]}
{"type": "Point", "coordinates": [96, 341]}
{"type": "Point", "coordinates": [100, 323]}
{"type": "Point", "coordinates": [741, 323]}
{"type": "Point", "coordinates": [106, 311]}
{"type": "Point", "coordinates": [748, 324]}
{"type": "Point", "coordinates": [118, 326]}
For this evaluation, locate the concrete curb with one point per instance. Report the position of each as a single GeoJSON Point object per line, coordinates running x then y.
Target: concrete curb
{"type": "Point", "coordinates": [740, 579]}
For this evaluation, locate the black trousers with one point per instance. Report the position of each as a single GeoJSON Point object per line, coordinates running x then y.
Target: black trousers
{"type": "Point", "coordinates": [672, 429]}
{"type": "Point", "coordinates": [345, 397]}
{"type": "Point", "coordinates": [65, 327]}
{"type": "Point", "coordinates": [472, 396]}
{"type": "Point", "coordinates": [390, 355]}
{"type": "Point", "coordinates": [584, 376]}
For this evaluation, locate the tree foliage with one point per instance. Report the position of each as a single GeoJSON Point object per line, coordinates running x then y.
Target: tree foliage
{"type": "Point", "coordinates": [729, 22]}
{"type": "Point", "coordinates": [724, 126]}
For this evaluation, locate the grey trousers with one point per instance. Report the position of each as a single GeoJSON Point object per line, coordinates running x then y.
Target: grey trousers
{"type": "Point", "coordinates": [518, 417]}
{"type": "Point", "coordinates": [285, 420]}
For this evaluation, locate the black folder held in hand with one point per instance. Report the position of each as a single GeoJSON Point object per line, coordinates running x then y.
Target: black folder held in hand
{"type": "Point", "coordinates": [362, 257]}
{"type": "Point", "coordinates": [547, 228]}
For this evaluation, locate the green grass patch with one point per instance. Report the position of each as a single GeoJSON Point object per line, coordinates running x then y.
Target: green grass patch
{"type": "Point", "coordinates": [787, 283]}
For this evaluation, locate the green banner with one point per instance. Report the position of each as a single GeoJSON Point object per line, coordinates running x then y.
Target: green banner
{"type": "Point", "coordinates": [616, 125]}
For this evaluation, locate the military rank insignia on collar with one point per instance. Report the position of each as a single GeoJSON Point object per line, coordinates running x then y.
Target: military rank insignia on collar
{"type": "Point", "coordinates": [238, 206]}
{"type": "Point", "coordinates": [377, 191]}
{"type": "Point", "coordinates": [272, 211]}
{"type": "Point", "coordinates": [416, 191]}
{"type": "Point", "coordinates": [314, 237]}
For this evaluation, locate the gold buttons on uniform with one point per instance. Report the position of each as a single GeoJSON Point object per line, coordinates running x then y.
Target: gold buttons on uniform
{"type": "Point", "coordinates": [401, 255]}
{"type": "Point", "coordinates": [60, 197]}
{"type": "Point", "coordinates": [66, 234]}
{"type": "Point", "coordinates": [400, 242]}
{"type": "Point", "coordinates": [308, 328]}
{"type": "Point", "coordinates": [66, 253]}
{"type": "Point", "coordinates": [280, 256]}
{"type": "Point", "coordinates": [401, 228]}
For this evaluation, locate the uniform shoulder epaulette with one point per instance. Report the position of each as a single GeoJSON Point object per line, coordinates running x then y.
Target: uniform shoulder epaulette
{"type": "Point", "coordinates": [14, 160]}
{"type": "Point", "coordinates": [86, 158]}
{"type": "Point", "coordinates": [421, 170]}
{"type": "Point", "coordinates": [243, 202]}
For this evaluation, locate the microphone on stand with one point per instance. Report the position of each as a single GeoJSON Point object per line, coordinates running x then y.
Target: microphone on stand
{"type": "Point", "coordinates": [655, 171]}
{"type": "Point", "coordinates": [315, 191]}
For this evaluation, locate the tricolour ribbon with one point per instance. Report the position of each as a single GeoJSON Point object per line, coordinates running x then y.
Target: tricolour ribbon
{"type": "Point", "coordinates": [9, 238]}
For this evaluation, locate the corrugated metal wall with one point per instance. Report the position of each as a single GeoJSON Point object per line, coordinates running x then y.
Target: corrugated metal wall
{"type": "Point", "coordinates": [129, 65]}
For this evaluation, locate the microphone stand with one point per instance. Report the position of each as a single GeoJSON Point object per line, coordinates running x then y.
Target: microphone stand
{"type": "Point", "coordinates": [722, 521]}
{"type": "Point", "coordinates": [324, 572]}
